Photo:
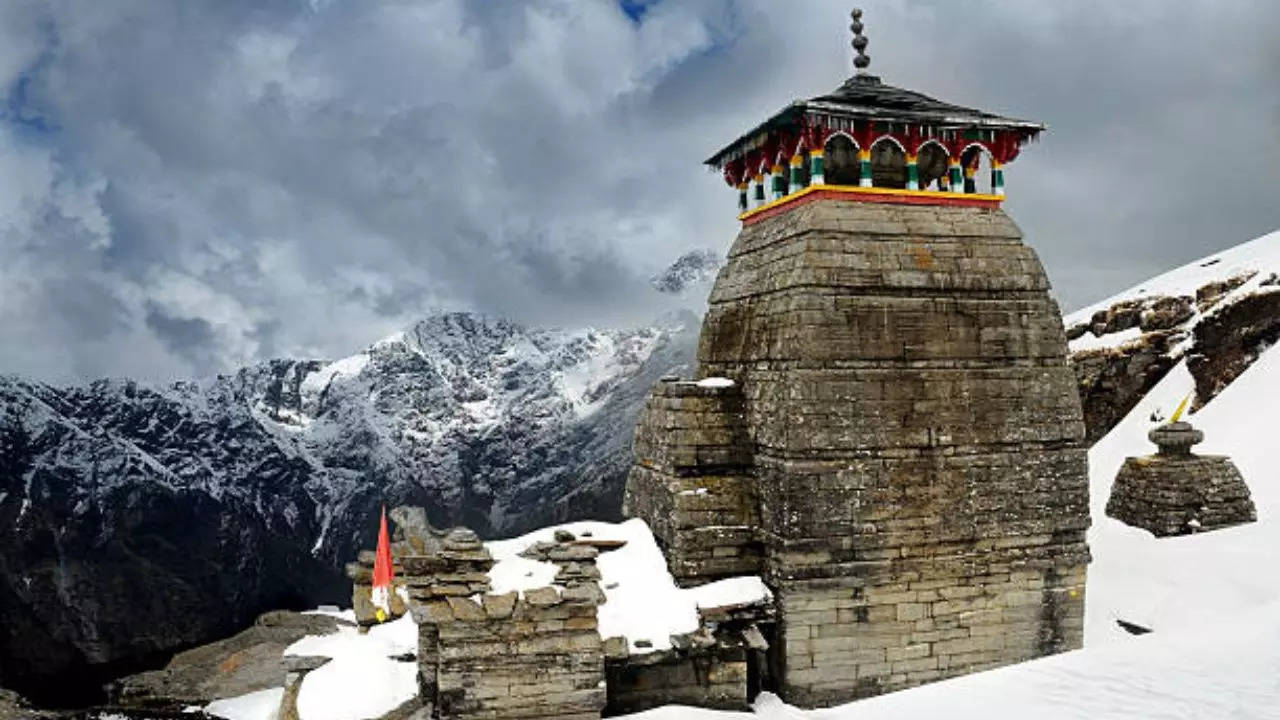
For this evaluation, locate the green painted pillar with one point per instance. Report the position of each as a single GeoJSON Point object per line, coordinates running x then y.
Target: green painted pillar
{"type": "Point", "coordinates": [864, 168]}
{"type": "Point", "coordinates": [817, 170]}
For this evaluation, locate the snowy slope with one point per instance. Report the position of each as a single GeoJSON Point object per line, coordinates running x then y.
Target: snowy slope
{"type": "Point", "coordinates": [1254, 264]}
{"type": "Point", "coordinates": [1256, 256]}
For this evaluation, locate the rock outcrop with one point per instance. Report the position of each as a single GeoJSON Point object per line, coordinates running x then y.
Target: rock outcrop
{"type": "Point", "coordinates": [249, 661]}
{"type": "Point", "coordinates": [1112, 380]}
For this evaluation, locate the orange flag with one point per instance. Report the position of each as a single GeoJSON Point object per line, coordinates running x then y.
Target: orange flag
{"type": "Point", "coordinates": [382, 572]}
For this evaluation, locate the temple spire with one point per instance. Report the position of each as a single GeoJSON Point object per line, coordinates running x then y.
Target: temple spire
{"type": "Point", "coordinates": [860, 60]}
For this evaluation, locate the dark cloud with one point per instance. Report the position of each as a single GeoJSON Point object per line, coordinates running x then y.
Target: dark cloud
{"type": "Point", "coordinates": [188, 186]}
{"type": "Point", "coordinates": [189, 338]}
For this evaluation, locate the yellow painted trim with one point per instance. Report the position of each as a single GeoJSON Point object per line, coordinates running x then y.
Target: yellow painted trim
{"type": "Point", "coordinates": [996, 164]}
{"type": "Point", "coordinates": [815, 153]}
{"type": "Point", "coordinates": [864, 155]}
{"type": "Point", "coordinates": [797, 160]}
{"type": "Point", "coordinates": [776, 169]}
{"type": "Point", "coordinates": [856, 190]}
{"type": "Point", "coordinates": [912, 159]}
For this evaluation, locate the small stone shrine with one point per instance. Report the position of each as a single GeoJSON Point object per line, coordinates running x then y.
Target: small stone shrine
{"type": "Point", "coordinates": [886, 428]}
{"type": "Point", "coordinates": [1176, 492]}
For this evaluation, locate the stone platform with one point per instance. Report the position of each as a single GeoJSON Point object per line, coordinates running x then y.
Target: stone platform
{"type": "Point", "coordinates": [911, 438]}
{"type": "Point", "coordinates": [1176, 492]}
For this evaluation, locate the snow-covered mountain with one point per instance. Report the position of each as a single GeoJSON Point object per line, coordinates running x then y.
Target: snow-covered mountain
{"type": "Point", "coordinates": [693, 269]}
{"type": "Point", "coordinates": [226, 497]}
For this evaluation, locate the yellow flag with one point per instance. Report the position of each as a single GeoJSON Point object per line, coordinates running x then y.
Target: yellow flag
{"type": "Point", "coordinates": [1177, 414]}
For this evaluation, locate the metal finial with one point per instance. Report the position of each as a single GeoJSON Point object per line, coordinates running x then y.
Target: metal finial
{"type": "Point", "coordinates": [861, 60]}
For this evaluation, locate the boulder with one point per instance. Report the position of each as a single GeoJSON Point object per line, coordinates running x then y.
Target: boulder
{"type": "Point", "coordinates": [249, 661]}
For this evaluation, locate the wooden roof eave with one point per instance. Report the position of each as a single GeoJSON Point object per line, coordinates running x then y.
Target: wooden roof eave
{"type": "Point", "coordinates": [861, 112]}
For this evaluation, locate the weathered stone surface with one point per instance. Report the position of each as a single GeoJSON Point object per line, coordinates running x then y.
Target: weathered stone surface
{"type": "Point", "coordinates": [1230, 339]}
{"type": "Point", "coordinates": [1112, 380]}
{"type": "Point", "coordinates": [249, 661]}
{"type": "Point", "coordinates": [1176, 492]}
{"type": "Point", "coordinates": [903, 431]}
{"type": "Point", "coordinates": [713, 678]}
{"type": "Point", "coordinates": [1209, 294]}
{"type": "Point", "coordinates": [499, 606]}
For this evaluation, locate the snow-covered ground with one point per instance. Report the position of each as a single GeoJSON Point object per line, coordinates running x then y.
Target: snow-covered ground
{"type": "Point", "coordinates": [642, 599]}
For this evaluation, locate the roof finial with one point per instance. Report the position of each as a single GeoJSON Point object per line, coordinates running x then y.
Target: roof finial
{"type": "Point", "coordinates": [861, 60]}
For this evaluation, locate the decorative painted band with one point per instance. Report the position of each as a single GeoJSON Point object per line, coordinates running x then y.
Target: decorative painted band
{"type": "Point", "coordinates": [873, 194]}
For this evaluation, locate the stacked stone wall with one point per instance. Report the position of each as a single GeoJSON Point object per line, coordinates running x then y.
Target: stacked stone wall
{"type": "Point", "coordinates": [692, 481]}
{"type": "Point", "coordinates": [536, 654]}
{"type": "Point", "coordinates": [714, 677]}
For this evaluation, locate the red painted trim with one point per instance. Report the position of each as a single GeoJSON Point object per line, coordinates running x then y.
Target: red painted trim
{"type": "Point", "coordinates": [948, 199]}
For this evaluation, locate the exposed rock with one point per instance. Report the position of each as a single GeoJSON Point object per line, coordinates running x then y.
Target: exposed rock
{"type": "Point", "coordinates": [1209, 294]}
{"type": "Point", "coordinates": [15, 707]}
{"type": "Point", "coordinates": [1167, 312]}
{"type": "Point", "coordinates": [1112, 380]}
{"type": "Point", "coordinates": [563, 536]}
{"type": "Point", "coordinates": [249, 661]}
{"type": "Point", "coordinates": [1228, 340]}
{"type": "Point", "coordinates": [1118, 317]}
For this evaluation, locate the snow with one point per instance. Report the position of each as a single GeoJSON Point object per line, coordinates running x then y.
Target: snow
{"type": "Point", "coordinates": [643, 601]}
{"type": "Point", "coordinates": [1260, 255]}
{"type": "Point", "coordinates": [315, 383]}
{"type": "Point", "coordinates": [1089, 341]}
{"type": "Point", "coordinates": [611, 356]}
{"type": "Point", "coordinates": [261, 705]}
{"type": "Point", "coordinates": [333, 611]}
{"type": "Point", "coordinates": [715, 382]}
{"type": "Point", "coordinates": [361, 681]}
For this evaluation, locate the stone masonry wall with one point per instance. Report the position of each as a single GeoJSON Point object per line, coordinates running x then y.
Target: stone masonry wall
{"type": "Point", "coordinates": [692, 484]}
{"type": "Point", "coordinates": [916, 439]}
{"type": "Point", "coordinates": [532, 655]}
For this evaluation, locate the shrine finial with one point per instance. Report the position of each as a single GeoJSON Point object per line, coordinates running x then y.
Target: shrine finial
{"type": "Point", "coordinates": [861, 60]}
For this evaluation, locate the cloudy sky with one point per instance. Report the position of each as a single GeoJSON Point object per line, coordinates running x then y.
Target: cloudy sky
{"type": "Point", "coordinates": [187, 186]}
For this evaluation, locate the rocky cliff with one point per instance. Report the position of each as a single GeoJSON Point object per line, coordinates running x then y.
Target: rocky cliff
{"type": "Point", "coordinates": [1218, 314]}
{"type": "Point", "coordinates": [140, 520]}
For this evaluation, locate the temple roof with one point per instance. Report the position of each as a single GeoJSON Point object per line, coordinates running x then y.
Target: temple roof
{"type": "Point", "coordinates": [865, 97]}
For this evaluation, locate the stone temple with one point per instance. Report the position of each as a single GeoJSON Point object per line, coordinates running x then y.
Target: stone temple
{"type": "Point", "coordinates": [884, 425]}
{"type": "Point", "coordinates": [877, 478]}
{"type": "Point", "coordinates": [1175, 491]}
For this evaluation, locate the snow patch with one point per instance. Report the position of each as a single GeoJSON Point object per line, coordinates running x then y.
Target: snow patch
{"type": "Point", "coordinates": [362, 680]}
{"type": "Point", "coordinates": [260, 705]}
{"type": "Point", "coordinates": [642, 600]}
{"type": "Point", "coordinates": [315, 382]}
